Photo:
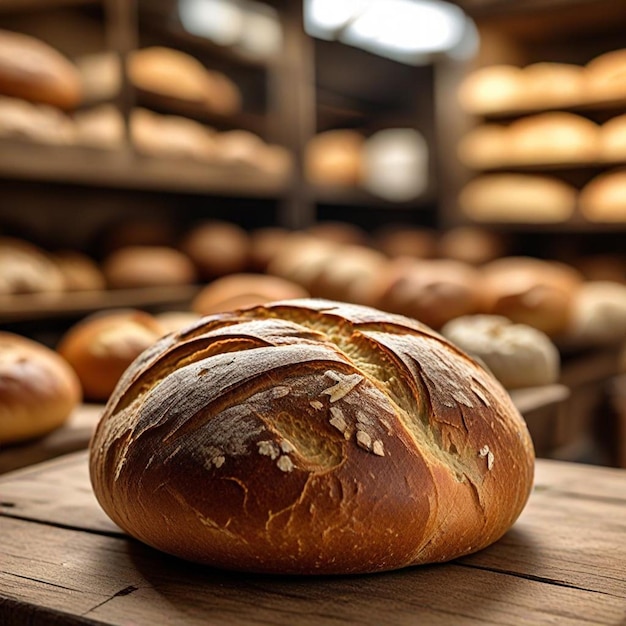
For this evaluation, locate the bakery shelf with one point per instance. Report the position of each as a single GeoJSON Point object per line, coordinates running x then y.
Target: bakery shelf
{"type": "Point", "coordinates": [29, 307]}
{"type": "Point", "coordinates": [253, 122]}
{"type": "Point", "coordinates": [7, 6]}
{"type": "Point", "coordinates": [555, 167]}
{"type": "Point", "coordinates": [575, 225]}
{"type": "Point", "coordinates": [360, 198]}
{"type": "Point", "coordinates": [125, 170]}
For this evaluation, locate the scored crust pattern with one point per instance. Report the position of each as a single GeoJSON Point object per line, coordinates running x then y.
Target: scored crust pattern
{"type": "Point", "coordinates": [311, 437]}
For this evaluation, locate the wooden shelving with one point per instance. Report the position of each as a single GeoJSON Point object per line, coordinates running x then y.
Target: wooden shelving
{"type": "Point", "coordinates": [29, 307]}
{"type": "Point", "coordinates": [124, 169]}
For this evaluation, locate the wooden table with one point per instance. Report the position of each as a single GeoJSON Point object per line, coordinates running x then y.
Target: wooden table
{"type": "Point", "coordinates": [63, 562]}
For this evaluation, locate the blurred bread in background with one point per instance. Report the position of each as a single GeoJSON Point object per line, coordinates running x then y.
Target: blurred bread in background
{"type": "Point", "coordinates": [603, 198]}
{"type": "Point", "coordinates": [102, 346]}
{"type": "Point", "coordinates": [217, 247]}
{"type": "Point", "coordinates": [471, 244]}
{"type": "Point", "coordinates": [531, 291]}
{"type": "Point", "coordinates": [26, 268]}
{"type": "Point", "coordinates": [612, 139]}
{"type": "Point", "coordinates": [553, 137]}
{"type": "Point", "coordinates": [32, 70]}
{"type": "Point", "coordinates": [339, 232]}
{"type": "Point", "coordinates": [548, 84]}
{"type": "Point", "coordinates": [484, 147]}
{"type": "Point", "coordinates": [606, 76]}
{"type": "Point", "coordinates": [100, 127]}
{"type": "Point", "coordinates": [516, 354]}
{"type": "Point", "coordinates": [523, 198]}
{"type": "Point", "coordinates": [80, 272]}
{"type": "Point", "coordinates": [241, 290]}
{"type": "Point", "coordinates": [147, 266]}
{"type": "Point", "coordinates": [397, 240]}
{"type": "Point", "coordinates": [491, 89]}
{"type": "Point", "coordinates": [334, 157]}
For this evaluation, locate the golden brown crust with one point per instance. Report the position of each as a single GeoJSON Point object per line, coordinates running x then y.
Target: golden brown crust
{"type": "Point", "coordinates": [33, 70]}
{"type": "Point", "coordinates": [311, 437]}
{"type": "Point", "coordinates": [38, 389]}
{"type": "Point", "coordinates": [239, 290]}
{"type": "Point", "coordinates": [101, 347]}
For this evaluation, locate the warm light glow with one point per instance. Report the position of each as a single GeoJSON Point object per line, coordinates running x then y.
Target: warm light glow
{"type": "Point", "coordinates": [217, 20]}
{"type": "Point", "coordinates": [324, 17]}
{"type": "Point", "coordinates": [409, 25]}
{"type": "Point", "coordinates": [403, 29]}
{"type": "Point", "coordinates": [261, 33]}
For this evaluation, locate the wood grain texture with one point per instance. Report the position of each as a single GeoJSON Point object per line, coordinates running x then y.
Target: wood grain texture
{"type": "Point", "coordinates": [63, 562]}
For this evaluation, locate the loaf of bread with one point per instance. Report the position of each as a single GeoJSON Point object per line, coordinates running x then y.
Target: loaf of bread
{"type": "Point", "coordinates": [147, 266]}
{"type": "Point", "coordinates": [433, 292]}
{"type": "Point", "coordinates": [20, 119]}
{"type": "Point", "coordinates": [334, 157]}
{"type": "Point", "coordinates": [397, 240]}
{"type": "Point", "coordinates": [25, 268]}
{"type": "Point", "coordinates": [339, 232]}
{"type": "Point", "coordinates": [310, 437]}
{"type": "Point", "coordinates": [471, 244]}
{"type": "Point", "coordinates": [612, 139]}
{"type": "Point", "coordinates": [531, 291]}
{"type": "Point", "coordinates": [599, 314]}
{"type": "Point", "coordinates": [551, 85]}
{"type": "Point", "coordinates": [265, 243]}
{"type": "Point", "coordinates": [179, 76]}
{"type": "Point", "coordinates": [217, 247]}
{"type": "Point", "coordinates": [603, 198]}
{"type": "Point", "coordinates": [554, 137]}
{"type": "Point", "coordinates": [101, 346]}
{"type": "Point", "coordinates": [492, 89]}
{"type": "Point", "coordinates": [516, 354]}
{"type": "Point", "coordinates": [171, 136]}
{"type": "Point", "coordinates": [606, 76]}
{"type": "Point", "coordinates": [517, 198]}
{"type": "Point", "coordinates": [484, 147]}
{"type": "Point", "coordinates": [240, 290]}
{"type": "Point", "coordinates": [100, 127]}
{"type": "Point", "coordinates": [33, 70]}
{"type": "Point", "coordinates": [347, 274]}
{"type": "Point", "coordinates": [38, 389]}
{"type": "Point", "coordinates": [80, 272]}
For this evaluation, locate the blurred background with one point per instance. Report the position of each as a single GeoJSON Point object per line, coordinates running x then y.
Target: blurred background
{"type": "Point", "coordinates": [441, 160]}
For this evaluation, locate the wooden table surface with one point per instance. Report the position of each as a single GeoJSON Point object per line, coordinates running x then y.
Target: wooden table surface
{"type": "Point", "coordinates": [63, 562]}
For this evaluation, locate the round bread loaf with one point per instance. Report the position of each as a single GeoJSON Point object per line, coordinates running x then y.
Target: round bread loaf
{"type": "Point", "coordinates": [334, 158]}
{"type": "Point", "coordinates": [339, 232]}
{"type": "Point", "coordinates": [516, 354]}
{"type": "Point", "coordinates": [33, 70]}
{"type": "Point", "coordinates": [492, 89]}
{"type": "Point", "coordinates": [38, 389]}
{"type": "Point", "coordinates": [547, 84]}
{"type": "Point", "coordinates": [554, 137]}
{"type": "Point", "coordinates": [522, 198]}
{"type": "Point", "coordinates": [217, 248]}
{"type": "Point", "coordinates": [265, 243]}
{"type": "Point", "coordinates": [612, 139]}
{"type": "Point", "coordinates": [25, 268]}
{"type": "Point", "coordinates": [606, 76]}
{"type": "Point", "coordinates": [80, 272]}
{"type": "Point", "coordinates": [599, 313]}
{"type": "Point", "coordinates": [147, 266]}
{"type": "Point", "coordinates": [101, 346]}
{"type": "Point", "coordinates": [531, 291]}
{"type": "Point", "coordinates": [239, 290]}
{"type": "Point", "coordinates": [310, 437]}
{"type": "Point", "coordinates": [484, 147]}
{"type": "Point", "coordinates": [433, 292]}
{"type": "Point", "coordinates": [471, 244]}
{"type": "Point", "coordinates": [603, 198]}
{"type": "Point", "coordinates": [347, 274]}
{"type": "Point", "coordinates": [177, 75]}
{"type": "Point", "coordinates": [397, 240]}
